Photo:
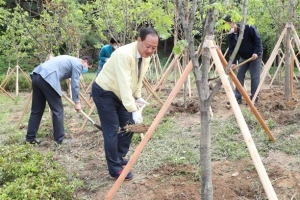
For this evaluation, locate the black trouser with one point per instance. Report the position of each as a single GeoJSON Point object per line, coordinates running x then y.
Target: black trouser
{"type": "Point", "coordinates": [42, 92]}
{"type": "Point", "coordinates": [113, 115]}
{"type": "Point", "coordinates": [255, 68]}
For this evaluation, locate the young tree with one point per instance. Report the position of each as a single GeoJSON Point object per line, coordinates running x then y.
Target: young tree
{"type": "Point", "coordinates": [203, 92]}
{"type": "Point", "coordinates": [287, 51]}
{"type": "Point", "coordinates": [202, 84]}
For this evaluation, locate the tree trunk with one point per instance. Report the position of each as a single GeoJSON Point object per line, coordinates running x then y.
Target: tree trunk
{"type": "Point", "coordinates": [287, 60]}
{"type": "Point", "coordinates": [205, 141]}
{"type": "Point", "coordinates": [287, 52]}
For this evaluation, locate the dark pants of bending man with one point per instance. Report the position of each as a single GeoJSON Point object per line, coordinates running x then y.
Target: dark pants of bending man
{"type": "Point", "coordinates": [113, 115]}
{"type": "Point", "coordinates": [42, 92]}
{"type": "Point", "coordinates": [255, 69]}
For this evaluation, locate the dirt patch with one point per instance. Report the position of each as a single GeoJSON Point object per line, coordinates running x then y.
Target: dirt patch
{"type": "Point", "coordinates": [190, 106]}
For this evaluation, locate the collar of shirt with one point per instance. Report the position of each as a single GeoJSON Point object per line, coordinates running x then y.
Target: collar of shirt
{"type": "Point", "coordinates": [138, 55]}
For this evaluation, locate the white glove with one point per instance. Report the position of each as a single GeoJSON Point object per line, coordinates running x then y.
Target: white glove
{"type": "Point", "coordinates": [137, 117]}
{"type": "Point", "coordinates": [141, 101]}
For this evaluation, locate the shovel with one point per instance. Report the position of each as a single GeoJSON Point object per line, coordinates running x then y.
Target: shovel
{"type": "Point", "coordinates": [91, 120]}
{"type": "Point", "coordinates": [84, 114]}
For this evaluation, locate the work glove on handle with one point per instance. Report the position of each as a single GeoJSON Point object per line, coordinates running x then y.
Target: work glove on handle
{"type": "Point", "coordinates": [141, 101]}
{"type": "Point", "coordinates": [137, 117]}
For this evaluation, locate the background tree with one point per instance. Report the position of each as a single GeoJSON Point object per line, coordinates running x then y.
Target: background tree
{"type": "Point", "coordinates": [14, 40]}
{"type": "Point", "coordinates": [121, 19]}
{"type": "Point", "coordinates": [59, 29]}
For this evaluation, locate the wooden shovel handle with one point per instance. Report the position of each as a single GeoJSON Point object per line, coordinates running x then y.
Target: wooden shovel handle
{"type": "Point", "coordinates": [242, 63]}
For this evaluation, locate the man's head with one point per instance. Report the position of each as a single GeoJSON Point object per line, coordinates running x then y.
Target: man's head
{"type": "Point", "coordinates": [113, 43]}
{"type": "Point", "coordinates": [147, 42]}
{"type": "Point", "coordinates": [233, 25]}
{"type": "Point", "coordinates": [87, 61]}
{"type": "Point", "coordinates": [227, 18]}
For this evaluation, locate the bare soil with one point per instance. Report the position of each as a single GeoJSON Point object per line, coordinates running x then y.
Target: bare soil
{"type": "Point", "coordinates": [231, 179]}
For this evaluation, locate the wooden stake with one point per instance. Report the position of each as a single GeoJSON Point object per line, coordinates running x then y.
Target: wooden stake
{"type": "Point", "coordinates": [7, 93]}
{"type": "Point", "coordinates": [148, 86]}
{"type": "Point", "coordinates": [165, 76]}
{"type": "Point", "coordinates": [90, 85]}
{"type": "Point", "coordinates": [292, 77]}
{"type": "Point", "coordinates": [278, 68]}
{"type": "Point", "coordinates": [85, 100]}
{"type": "Point", "coordinates": [7, 78]}
{"type": "Point", "coordinates": [24, 110]}
{"type": "Point", "coordinates": [269, 63]}
{"type": "Point", "coordinates": [25, 75]}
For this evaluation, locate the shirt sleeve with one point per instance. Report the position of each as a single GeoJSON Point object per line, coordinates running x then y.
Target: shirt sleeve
{"type": "Point", "coordinates": [231, 46]}
{"type": "Point", "coordinates": [103, 54]}
{"type": "Point", "coordinates": [75, 81]}
{"type": "Point", "coordinates": [256, 40]}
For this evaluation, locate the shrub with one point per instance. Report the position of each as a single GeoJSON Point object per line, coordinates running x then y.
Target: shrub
{"type": "Point", "coordinates": [27, 174]}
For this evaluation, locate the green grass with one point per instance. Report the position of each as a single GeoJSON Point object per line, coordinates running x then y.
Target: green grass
{"type": "Point", "coordinates": [169, 143]}
{"type": "Point", "coordinates": [228, 142]}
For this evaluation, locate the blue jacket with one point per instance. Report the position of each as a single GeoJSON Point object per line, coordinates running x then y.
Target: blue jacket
{"type": "Point", "coordinates": [251, 43]}
{"type": "Point", "coordinates": [59, 68]}
{"type": "Point", "coordinates": [105, 53]}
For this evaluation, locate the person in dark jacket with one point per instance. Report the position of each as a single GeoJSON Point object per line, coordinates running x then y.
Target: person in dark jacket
{"type": "Point", "coordinates": [251, 46]}
{"type": "Point", "coordinates": [46, 87]}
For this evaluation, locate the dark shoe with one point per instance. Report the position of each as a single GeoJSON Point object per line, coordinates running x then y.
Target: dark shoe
{"type": "Point", "coordinates": [240, 101]}
{"type": "Point", "coordinates": [65, 141]}
{"type": "Point", "coordinates": [127, 178]}
{"type": "Point", "coordinates": [124, 161]}
{"type": "Point", "coordinates": [37, 142]}
{"type": "Point", "coordinates": [256, 100]}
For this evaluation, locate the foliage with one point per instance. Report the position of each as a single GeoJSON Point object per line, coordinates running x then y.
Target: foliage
{"type": "Point", "coordinates": [269, 18]}
{"type": "Point", "coordinates": [124, 24]}
{"type": "Point", "coordinates": [14, 41]}
{"type": "Point", "coordinates": [27, 174]}
{"type": "Point", "coordinates": [59, 29]}
{"type": "Point", "coordinates": [3, 12]}
{"type": "Point", "coordinates": [26, 64]}
{"type": "Point", "coordinates": [64, 27]}
{"type": "Point", "coordinates": [180, 47]}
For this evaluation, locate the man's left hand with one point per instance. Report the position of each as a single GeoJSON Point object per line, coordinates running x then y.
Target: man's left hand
{"type": "Point", "coordinates": [141, 101]}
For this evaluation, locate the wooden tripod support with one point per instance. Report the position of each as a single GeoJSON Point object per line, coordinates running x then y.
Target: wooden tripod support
{"type": "Point", "coordinates": [165, 75]}
{"type": "Point", "coordinates": [273, 56]}
{"type": "Point", "coordinates": [8, 77]}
